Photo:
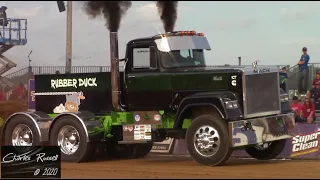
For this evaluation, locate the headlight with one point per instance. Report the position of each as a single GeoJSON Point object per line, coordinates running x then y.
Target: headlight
{"type": "Point", "coordinates": [284, 97]}
{"type": "Point", "coordinates": [231, 104]}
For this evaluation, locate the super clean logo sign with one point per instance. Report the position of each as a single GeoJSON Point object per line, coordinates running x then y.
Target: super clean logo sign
{"type": "Point", "coordinates": [305, 144]}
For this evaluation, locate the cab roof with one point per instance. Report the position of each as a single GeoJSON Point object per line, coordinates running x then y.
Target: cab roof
{"type": "Point", "coordinates": [159, 36]}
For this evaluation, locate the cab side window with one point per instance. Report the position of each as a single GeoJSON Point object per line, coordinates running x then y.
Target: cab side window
{"type": "Point", "coordinates": [144, 58]}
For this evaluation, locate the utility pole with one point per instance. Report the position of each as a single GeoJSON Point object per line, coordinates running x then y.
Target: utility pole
{"type": "Point", "coordinates": [29, 58]}
{"type": "Point", "coordinates": [29, 68]}
{"type": "Point", "coordinates": [69, 38]}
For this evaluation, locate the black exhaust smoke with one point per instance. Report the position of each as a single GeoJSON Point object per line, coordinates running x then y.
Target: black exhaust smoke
{"type": "Point", "coordinates": [113, 12]}
{"type": "Point", "coordinates": [168, 14]}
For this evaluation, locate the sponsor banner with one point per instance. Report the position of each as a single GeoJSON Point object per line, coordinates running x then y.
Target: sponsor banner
{"type": "Point", "coordinates": [305, 145]}
{"type": "Point", "coordinates": [163, 147]}
{"type": "Point", "coordinates": [31, 97]}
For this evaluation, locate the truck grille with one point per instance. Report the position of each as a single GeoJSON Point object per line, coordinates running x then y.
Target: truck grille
{"type": "Point", "coordinates": [262, 94]}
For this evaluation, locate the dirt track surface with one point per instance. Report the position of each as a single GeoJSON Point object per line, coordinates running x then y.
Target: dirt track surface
{"type": "Point", "coordinates": [184, 167]}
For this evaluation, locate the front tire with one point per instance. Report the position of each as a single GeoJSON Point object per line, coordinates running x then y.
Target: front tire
{"type": "Point", "coordinates": [208, 140]}
{"type": "Point", "coordinates": [21, 131]}
{"type": "Point", "coordinates": [69, 134]}
{"type": "Point", "coordinates": [268, 150]}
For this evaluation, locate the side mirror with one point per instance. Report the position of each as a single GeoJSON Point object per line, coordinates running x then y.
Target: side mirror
{"type": "Point", "coordinates": [153, 57]}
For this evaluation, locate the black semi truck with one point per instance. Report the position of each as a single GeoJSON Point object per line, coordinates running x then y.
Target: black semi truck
{"type": "Point", "coordinates": [165, 90]}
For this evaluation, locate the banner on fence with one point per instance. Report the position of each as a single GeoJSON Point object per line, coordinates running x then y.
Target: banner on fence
{"type": "Point", "coordinates": [305, 145]}
{"type": "Point", "coordinates": [31, 97]}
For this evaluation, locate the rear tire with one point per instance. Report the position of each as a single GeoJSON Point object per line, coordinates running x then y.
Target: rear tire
{"type": "Point", "coordinates": [26, 129]}
{"type": "Point", "coordinates": [265, 153]}
{"type": "Point", "coordinates": [75, 148]}
{"type": "Point", "coordinates": [213, 130]}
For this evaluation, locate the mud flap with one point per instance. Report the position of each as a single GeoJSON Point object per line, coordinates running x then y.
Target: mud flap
{"type": "Point", "coordinates": [165, 146]}
{"type": "Point", "coordinates": [259, 130]}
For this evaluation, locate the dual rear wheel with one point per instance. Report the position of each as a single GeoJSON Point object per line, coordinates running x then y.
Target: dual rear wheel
{"type": "Point", "coordinates": [21, 131]}
{"type": "Point", "coordinates": [69, 134]}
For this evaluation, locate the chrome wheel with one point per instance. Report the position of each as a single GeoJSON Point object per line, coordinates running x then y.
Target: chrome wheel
{"type": "Point", "coordinates": [68, 140]}
{"type": "Point", "coordinates": [22, 136]}
{"type": "Point", "coordinates": [263, 146]}
{"type": "Point", "coordinates": [206, 141]}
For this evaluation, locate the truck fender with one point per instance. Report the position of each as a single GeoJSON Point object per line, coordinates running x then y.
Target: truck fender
{"type": "Point", "coordinates": [39, 114]}
{"type": "Point", "coordinates": [83, 117]}
{"type": "Point", "coordinates": [213, 100]}
{"type": "Point", "coordinates": [36, 117]}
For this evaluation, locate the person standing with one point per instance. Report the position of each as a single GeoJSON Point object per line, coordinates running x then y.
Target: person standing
{"type": "Point", "coordinates": [303, 71]}
{"type": "Point", "coordinates": [283, 78]}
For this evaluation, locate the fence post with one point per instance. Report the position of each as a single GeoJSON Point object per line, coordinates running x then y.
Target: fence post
{"type": "Point", "coordinates": [30, 72]}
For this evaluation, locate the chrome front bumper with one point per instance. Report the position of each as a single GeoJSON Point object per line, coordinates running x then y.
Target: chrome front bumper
{"type": "Point", "coordinates": [259, 130]}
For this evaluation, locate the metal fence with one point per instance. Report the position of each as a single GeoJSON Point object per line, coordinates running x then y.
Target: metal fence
{"type": "Point", "coordinates": [80, 69]}
{"type": "Point", "coordinates": [292, 82]}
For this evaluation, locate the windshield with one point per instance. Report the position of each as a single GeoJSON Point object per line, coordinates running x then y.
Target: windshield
{"type": "Point", "coordinates": [183, 58]}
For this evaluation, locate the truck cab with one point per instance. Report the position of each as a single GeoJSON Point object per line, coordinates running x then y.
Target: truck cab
{"type": "Point", "coordinates": [152, 66]}
{"type": "Point", "coordinates": [163, 71]}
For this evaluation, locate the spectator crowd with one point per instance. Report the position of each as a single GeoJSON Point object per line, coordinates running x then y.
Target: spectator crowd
{"type": "Point", "coordinates": [305, 111]}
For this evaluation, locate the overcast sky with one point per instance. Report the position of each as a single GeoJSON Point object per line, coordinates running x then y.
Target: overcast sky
{"type": "Point", "coordinates": [270, 31]}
